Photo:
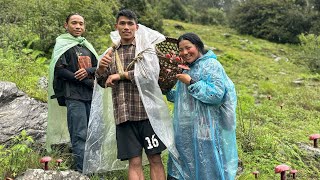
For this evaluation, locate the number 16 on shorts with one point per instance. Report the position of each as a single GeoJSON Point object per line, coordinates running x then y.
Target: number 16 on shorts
{"type": "Point", "coordinates": [153, 142]}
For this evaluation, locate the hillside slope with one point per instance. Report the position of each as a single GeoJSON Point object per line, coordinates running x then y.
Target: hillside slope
{"type": "Point", "coordinates": [269, 132]}
{"type": "Point", "coordinates": [278, 100]}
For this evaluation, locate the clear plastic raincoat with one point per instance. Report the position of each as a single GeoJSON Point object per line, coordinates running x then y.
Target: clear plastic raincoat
{"type": "Point", "coordinates": [204, 123]}
{"type": "Point", "coordinates": [101, 149]}
{"type": "Point", "coordinates": [57, 128]}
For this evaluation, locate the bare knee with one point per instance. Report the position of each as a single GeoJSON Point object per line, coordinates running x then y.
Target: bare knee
{"type": "Point", "coordinates": [155, 159]}
{"type": "Point", "coordinates": [135, 162]}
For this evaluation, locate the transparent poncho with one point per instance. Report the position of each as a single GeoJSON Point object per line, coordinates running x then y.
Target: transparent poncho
{"type": "Point", "coordinates": [204, 124]}
{"type": "Point", "coordinates": [101, 149]}
{"type": "Point", "coordinates": [57, 128]}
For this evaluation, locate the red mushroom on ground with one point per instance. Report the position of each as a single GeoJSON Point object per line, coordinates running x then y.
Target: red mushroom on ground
{"type": "Point", "coordinates": [293, 172]}
{"type": "Point", "coordinates": [315, 138]}
{"type": "Point", "coordinates": [45, 160]}
{"type": "Point", "coordinates": [282, 169]}
{"type": "Point", "coordinates": [269, 97]}
{"type": "Point", "coordinates": [255, 173]}
{"type": "Point", "coordinates": [59, 162]}
{"type": "Point", "coordinates": [281, 105]}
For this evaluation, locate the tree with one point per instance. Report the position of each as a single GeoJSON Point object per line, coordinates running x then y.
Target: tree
{"type": "Point", "coordinates": [147, 12]}
{"type": "Point", "coordinates": [310, 45]}
{"type": "Point", "coordinates": [277, 21]}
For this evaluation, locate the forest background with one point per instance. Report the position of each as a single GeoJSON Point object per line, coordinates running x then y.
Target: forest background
{"type": "Point", "coordinates": [269, 48]}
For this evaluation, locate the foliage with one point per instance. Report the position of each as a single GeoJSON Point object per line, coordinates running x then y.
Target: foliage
{"type": "Point", "coordinates": [25, 69]}
{"type": "Point", "coordinates": [174, 9]}
{"type": "Point", "coordinates": [315, 24]}
{"type": "Point", "coordinates": [311, 51]}
{"type": "Point", "coordinates": [147, 13]}
{"type": "Point", "coordinates": [203, 12]}
{"type": "Point", "coordinates": [277, 21]}
{"type": "Point", "coordinates": [16, 158]}
{"type": "Point", "coordinates": [45, 19]}
{"type": "Point", "coordinates": [212, 16]}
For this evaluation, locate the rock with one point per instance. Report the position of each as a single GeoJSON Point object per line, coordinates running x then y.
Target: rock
{"type": "Point", "coordinates": [19, 112]}
{"type": "Point", "coordinates": [298, 82]}
{"type": "Point", "coordinates": [277, 59]}
{"type": "Point", "coordinates": [227, 35]}
{"type": "Point", "coordinates": [210, 48]}
{"type": "Point", "coordinates": [43, 83]}
{"type": "Point", "coordinates": [179, 26]}
{"type": "Point", "coordinates": [40, 174]}
{"type": "Point", "coordinates": [311, 151]}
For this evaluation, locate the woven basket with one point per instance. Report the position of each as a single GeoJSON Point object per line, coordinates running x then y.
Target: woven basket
{"type": "Point", "coordinates": [168, 67]}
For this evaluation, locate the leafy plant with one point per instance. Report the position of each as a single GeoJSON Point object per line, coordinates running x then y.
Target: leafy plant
{"type": "Point", "coordinates": [311, 51]}
{"type": "Point", "coordinates": [16, 158]}
{"type": "Point", "coordinates": [277, 21]}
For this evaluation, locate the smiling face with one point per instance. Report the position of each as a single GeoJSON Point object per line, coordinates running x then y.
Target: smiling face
{"type": "Point", "coordinates": [188, 51]}
{"type": "Point", "coordinates": [75, 25]}
{"type": "Point", "coordinates": [127, 28]}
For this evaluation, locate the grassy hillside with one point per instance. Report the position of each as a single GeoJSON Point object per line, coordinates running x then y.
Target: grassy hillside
{"type": "Point", "coordinates": [269, 132]}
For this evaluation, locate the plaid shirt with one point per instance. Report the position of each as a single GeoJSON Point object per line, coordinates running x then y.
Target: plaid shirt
{"type": "Point", "coordinates": [127, 103]}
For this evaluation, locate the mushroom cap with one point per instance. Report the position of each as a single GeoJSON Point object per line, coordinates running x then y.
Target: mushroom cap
{"type": "Point", "coordinates": [281, 168]}
{"type": "Point", "coordinates": [45, 159]}
{"type": "Point", "coordinates": [293, 171]}
{"type": "Point", "coordinates": [314, 136]}
{"type": "Point", "coordinates": [59, 160]}
{"type": "Point", "coordinates": [255, 172]}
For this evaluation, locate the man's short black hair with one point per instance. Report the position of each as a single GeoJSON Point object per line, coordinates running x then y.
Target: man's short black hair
{"type": "Point", "coordinates": [127, 13]}
{"type": "Point", "coordinates": [71, 14]}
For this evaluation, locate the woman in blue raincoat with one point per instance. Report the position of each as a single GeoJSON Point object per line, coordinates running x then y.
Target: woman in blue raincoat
{"type": "Point", "coordinates": [204, 116]}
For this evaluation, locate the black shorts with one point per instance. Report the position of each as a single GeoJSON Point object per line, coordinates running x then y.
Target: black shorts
{"type": "Point", "coordinates": [132, 136]}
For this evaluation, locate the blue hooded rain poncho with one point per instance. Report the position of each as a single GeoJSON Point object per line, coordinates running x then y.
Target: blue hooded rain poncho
{"type": "Point", "coordinates": [204, 123]}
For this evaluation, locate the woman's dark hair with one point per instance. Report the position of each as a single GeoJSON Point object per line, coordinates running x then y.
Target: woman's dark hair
{"type": "Point", "coordinates": [194, 39]}
{"type": "Point", "coordinates": [127, 13]}
{"type": "Point", "coordinates": [69, 16]}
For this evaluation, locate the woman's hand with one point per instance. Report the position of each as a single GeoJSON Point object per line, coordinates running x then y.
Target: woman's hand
{"type": "Point", "coordinates": [185, 78]}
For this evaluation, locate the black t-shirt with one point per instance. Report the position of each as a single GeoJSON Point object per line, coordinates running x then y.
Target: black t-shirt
{"type": "Point", "coordinates": [68, 64]}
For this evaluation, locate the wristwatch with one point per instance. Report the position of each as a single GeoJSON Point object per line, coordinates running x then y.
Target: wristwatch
{"type": "Point", "coordinates": [192, 81]}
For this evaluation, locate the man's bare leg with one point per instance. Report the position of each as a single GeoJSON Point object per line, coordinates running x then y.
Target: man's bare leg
{"type": "Point", "coordinates": [156, 167]}
{"type": "Point", "coordinates": [135, 169]}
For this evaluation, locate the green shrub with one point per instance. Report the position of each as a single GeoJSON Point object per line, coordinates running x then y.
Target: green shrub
{"type": "Point", "coordinates": [310, 45]}
{"type": "Point", "coordinates": [17, 157]}
{"type": "Point", "coordinates": [277, 21]}
{"type": "Point", "coordinates": [211, 16]}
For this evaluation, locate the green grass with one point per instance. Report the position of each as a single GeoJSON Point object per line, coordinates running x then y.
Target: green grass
{"type": "Point", "coordinates": [267, 135]}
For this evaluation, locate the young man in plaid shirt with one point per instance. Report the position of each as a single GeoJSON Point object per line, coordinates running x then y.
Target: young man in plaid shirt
{"type": "Point", "coordinates": [133, 129]}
